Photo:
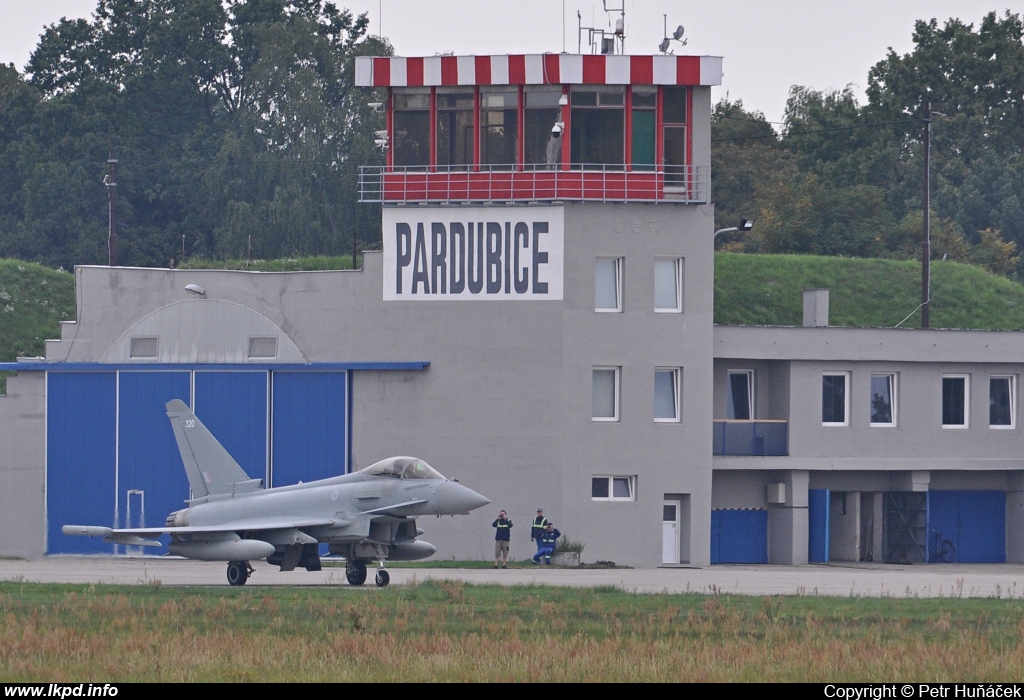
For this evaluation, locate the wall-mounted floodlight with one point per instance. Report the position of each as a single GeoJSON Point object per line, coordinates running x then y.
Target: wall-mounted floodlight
{"type": "Point", "coordinates": [745, 225]}
{"type": "Point", "coordinates": [195, 289]}
{"type": "Point", "coordinates": [563, 100]}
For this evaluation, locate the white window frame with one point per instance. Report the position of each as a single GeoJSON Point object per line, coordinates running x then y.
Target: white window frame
{"type": "Point", "coordinates": [618, 262]}
{"type": "Point", "coordinates": [846, 399]}
{"type": "Point", "coordinates": [675, 393]}
{"type": "Point", "coordinates": [1012, 380]}
{"type": "Point", "coordinates": [678, 307]}
{"type": "Point", "coordinates": [615, 399]}
{"type": "Point", "coordinates": [749, 373]}
{"type": "Point", "coordinates": [967, 402]}
{"type": "Point", "coordinates": [630, 481]}
{"type": "Point", "coordinates": [893, 384]}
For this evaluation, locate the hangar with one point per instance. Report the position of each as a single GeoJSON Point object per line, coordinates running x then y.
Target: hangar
{"type": "Point", "coordinates": [539, 324]}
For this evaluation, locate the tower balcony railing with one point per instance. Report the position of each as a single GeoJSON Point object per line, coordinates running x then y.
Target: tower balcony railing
{"type": "Point", "coordinates": [751, 438]}
{"type": "Point", "coordinates": [688, 184]}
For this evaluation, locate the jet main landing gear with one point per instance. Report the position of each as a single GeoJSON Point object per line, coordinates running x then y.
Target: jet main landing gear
{"type": "Point", "coordinates": [355, 572]}
{"type": "Point", "coordinates": [238, 572]}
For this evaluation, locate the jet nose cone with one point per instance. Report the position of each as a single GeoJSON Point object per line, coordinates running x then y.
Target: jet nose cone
{"type": "Point", "coordinates": [456, 499]}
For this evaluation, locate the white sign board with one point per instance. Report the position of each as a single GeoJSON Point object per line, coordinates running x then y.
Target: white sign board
{"type": "Point", "coordinates": [441, 253]}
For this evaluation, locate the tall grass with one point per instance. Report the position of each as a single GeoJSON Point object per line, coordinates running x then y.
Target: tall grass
{"type": "Point", "coordinates": [457, 632]}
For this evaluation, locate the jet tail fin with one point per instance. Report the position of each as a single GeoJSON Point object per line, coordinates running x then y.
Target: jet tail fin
{"type": "Point", "coordinates": [209, 467]}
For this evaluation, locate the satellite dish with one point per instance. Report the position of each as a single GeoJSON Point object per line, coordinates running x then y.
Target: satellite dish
{"type": "Point", "coordinates": [678, 33]}
{"type": "Point", "coordinates": [663, 46]}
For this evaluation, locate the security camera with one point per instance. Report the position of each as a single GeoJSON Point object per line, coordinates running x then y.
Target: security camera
{"type": "Point", "coordinates": [374, 105]}
{"type": "Point", "coordinates": [556, 130]}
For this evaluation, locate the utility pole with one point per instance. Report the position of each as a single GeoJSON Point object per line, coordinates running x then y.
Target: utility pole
{"type": "Point", "coordinates": [111, 182]}
{"type": "Point", "coordinates": [926, 239]}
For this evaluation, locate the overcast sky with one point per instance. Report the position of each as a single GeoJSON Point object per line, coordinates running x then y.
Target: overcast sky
{"type": "Point", "coordinates": [767, 46]}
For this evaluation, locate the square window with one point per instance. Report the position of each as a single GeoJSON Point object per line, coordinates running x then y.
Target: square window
{"type": "Point", "coordinates": [740, 395]}
{"type": "Point", "coordinates": [1002, 402]}
{"type": "Point", "coordinates": [606, 394]}
{"type": "Point", "coordinates": [954, 401]}
{"type": "Point", "coordinates": [613, 488]}
{"type": "Point", "coordinates": [883, 399]}
{"type": "Point", "coordinates": [666, 395]}
{"type": "Point", "coordinates": [144, 348]}
{"type": "Point", "coordinates": [834, 407]}
{"type": "Point", "coordinates": [608, 285]}
{"type": "Point", "coordinates": [668, 285]}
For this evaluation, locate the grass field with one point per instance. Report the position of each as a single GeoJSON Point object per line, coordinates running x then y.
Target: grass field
{"type": "Point", "coordinates": [450, 631]}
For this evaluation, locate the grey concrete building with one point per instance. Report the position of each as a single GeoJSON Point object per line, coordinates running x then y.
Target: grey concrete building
{"type": "Point", "coordinates": [539, 325]}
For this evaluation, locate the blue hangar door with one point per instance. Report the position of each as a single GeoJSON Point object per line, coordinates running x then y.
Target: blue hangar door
{"type": "Point", "coordinates": [81, 456]}
{"type": "Point", "coordinates": [310, 417]}
{"type": "Point", "coordinates": [111, 456]}
{"type": "Point", "coordinates": [975, 523]}
{"type": "Point", "coordinates": [739, 536]}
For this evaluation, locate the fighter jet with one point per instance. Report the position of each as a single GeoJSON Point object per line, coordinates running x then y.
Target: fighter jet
{"type": "Point", "coordinates": [368, 515]}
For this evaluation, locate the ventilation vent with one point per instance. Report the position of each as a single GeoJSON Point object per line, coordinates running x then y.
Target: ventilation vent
{"type": "Point", "coordinates": [262, 348]}
{"type": "Point", "coordinates": [144, 348]}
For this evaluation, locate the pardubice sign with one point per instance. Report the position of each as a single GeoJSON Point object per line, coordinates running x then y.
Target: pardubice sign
{"type": "Point", "coordinates": [473, 253]}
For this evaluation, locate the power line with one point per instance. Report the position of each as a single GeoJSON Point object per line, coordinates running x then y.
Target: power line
{"type": "Point", "coordinates": [843, 127]}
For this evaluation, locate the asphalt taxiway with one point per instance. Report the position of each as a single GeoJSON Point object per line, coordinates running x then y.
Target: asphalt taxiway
{"type": "Point", "coordinates": [913, 581]}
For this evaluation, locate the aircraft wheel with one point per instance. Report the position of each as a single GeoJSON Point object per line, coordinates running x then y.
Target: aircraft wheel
{"type": "Point", "coordinates": [355, 572]}
{"type": "Point", "coordinates": [238, 573]}
{"type": "Point", "coordinates": [383, 578]}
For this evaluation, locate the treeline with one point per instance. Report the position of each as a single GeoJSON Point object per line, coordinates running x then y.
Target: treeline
{"type": "Point", "coordinates": [235, 124]}
{"type": "Point", "coordinates": [841, 178]}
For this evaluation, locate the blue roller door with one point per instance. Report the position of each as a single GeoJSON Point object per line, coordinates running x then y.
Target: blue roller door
{"type": "Point", "coordinates": [80, 457]}
{"type": "Point", "coordinates": [818, 507]}
{"type": "Point", "coordinates": [974, 521]}
{"type": "Point", "coordinates": [739, 537]}
{"type": "Point", "coordinates": [233, 405]}
{"type": "Point", "coordinates": [310, 439]}
{"type": "Point", "coordinates": [149, 466]}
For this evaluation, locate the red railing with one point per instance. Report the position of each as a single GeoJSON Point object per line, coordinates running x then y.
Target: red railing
{"type": "Point", "coordinates": [687, 184]}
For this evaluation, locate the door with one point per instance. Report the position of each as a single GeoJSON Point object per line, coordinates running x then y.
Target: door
{"type": "Point", "coordinates": [670, 533]}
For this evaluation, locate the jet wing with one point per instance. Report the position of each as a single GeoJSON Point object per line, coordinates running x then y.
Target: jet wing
{"type": "Point", "coordinates": [134, 536]}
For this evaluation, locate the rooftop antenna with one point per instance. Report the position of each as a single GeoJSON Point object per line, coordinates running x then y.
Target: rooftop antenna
{"type": "Point", "coordinates": [677, 35]}
{"type": "Point", "coordinates": [605, 41]}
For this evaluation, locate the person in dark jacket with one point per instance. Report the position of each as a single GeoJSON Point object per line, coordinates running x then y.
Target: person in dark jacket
{"type": "Point", "coordinates": [537, 526]}
{"type": "Point", "coordinates": [502, 534]}
{"type": "Point", "coordinates": [546, 544]}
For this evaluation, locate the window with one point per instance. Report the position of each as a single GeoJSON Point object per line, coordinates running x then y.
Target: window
{"type": "Point", "coordinates": [454, 126]}
{"type": "Point", "coordinates": [608, 285]}
{"type": "Point", "coordinates": [645, 99]}
{"type": "Point", "coordinates": [674, 101]}
{"type": "Point", "coordinates": [262, 348]}
{"type": "Point", "coordinates": [411, 140]}
{"type": "Point", "coordinates": [541, 113]}
{"type": "Point", "coordinates": [1002, 402]}
{"type": "Point", "coordinates": [954, 401]}
{"type": "Point", "coordinates": [740, 396]}
{"type": "Point", "coordinates": [613, 488]}
{"type": "Point", "coordinates": [598, 125]}
{"type": "Point", "coordinates": [499, 117]}
{"type": "Point", "coordinates": [606, 393]}
{"type": "Point", "coordinates": [834, 406]}
{"type": "Point", "coordinates": [883, 399]}
{"type": "Point", "coordinates": [668, 285]}
{"type": "Point", "coordinates": [666, 395]}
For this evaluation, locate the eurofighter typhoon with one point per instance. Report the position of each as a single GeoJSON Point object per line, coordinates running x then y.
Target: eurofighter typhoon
{"type": "Point", "coordinates": [365, 516]}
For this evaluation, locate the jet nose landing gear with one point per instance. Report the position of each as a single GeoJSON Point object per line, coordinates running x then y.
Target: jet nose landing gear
{"type": "Point", "coordinates": [238, 572]}
{"type": "Point", "coordinates": [383, 578]}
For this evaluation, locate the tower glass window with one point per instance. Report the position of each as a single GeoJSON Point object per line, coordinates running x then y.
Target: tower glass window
{"type": "Point", "coordinates": [454, 126]}
{"type": "Point", "coordinates": [499, 126]}
{"type": "Point", "coordinates": [598, 123]}
{"type": "Point", "coordinates": [411, 140]}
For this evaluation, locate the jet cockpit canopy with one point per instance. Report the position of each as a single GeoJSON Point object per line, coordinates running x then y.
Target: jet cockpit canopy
{"type": "Point", "coordinates": [403, 468]}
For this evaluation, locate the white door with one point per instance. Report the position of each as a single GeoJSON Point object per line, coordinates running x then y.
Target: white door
{"type": "Point", "coordinates": [670, 533]}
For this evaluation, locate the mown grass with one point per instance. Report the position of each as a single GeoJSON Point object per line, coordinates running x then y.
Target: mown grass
{"type": "Point", "coordinates": [313, 262]}
{"type": "Point", "coordinates": [451, 631]}
{"type": "Point", "coordinates": [768, 290]}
